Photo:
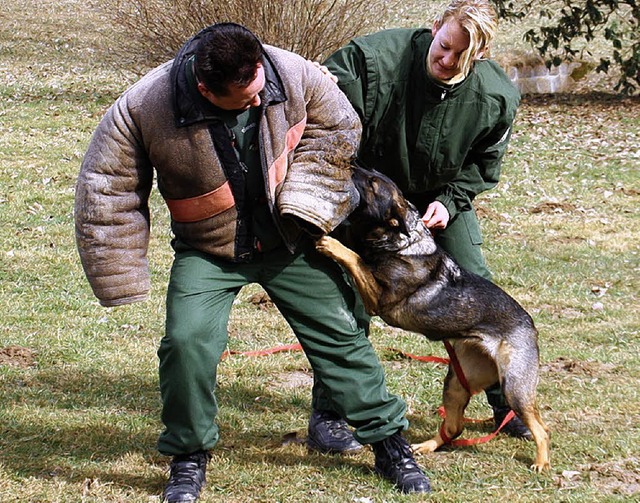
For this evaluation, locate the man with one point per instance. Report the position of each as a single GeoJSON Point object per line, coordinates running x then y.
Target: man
{"type": "Point", "coordinates": [251, 146]}
{"type": "Point", "coordinates": [436, 119]}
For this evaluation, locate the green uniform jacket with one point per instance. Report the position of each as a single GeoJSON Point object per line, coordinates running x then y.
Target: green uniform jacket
{"type": "Point", "coordinates": [436, 142]}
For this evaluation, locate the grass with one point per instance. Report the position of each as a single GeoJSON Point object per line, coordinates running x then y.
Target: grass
{"type": "Point", "coordinates": [79, 414]}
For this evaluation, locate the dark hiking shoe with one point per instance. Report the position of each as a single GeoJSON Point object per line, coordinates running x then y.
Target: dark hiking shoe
{"type": "Point", "coordinates": [187, 478]}
{"type": "Point", "coordinates": [514, 428]}
{"type": "Point", "coordinates": [330, 434]}
{"type": "Point", "coordinates": [395, 462]}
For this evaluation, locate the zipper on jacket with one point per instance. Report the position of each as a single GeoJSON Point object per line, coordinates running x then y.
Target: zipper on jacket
{"type": "Point", "coordinates": [444, 94]}
{"type": "Point", "coordinates": [232, 137]}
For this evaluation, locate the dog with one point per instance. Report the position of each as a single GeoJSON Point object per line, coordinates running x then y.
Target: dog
{"type": "Point", "coordinates": [412, 283]}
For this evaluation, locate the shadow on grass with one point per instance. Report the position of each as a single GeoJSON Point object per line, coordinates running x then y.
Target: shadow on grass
{"type": "Point", "coordinates": [70, 426]}
{"type": "Point", "coordinates": [64, 425]}
{"type": "Point", "coordinates": [67, 424]}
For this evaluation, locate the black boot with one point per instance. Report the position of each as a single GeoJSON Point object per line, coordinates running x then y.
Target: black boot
{"type": "Point", "coordinates": [330, 434]}
{"type": "Point", "coordinates": [514, 428]}
{"type": "Point", "coordinates": [395, 462]}
{"type": "Point", "coordinates": [188, 476]}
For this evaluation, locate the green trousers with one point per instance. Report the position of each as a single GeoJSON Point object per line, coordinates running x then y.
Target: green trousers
{"type": "Point", "coordinates": [462, 240]}
{"type": "Point", "coordinates": [314, 297]}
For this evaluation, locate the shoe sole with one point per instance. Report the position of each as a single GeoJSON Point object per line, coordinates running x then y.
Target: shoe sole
{"type": "Point", "coordinates": [312, 446]}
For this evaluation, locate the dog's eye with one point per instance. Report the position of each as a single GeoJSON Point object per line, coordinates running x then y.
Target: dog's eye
{"type": "Point", "coordinates": [394, 223]}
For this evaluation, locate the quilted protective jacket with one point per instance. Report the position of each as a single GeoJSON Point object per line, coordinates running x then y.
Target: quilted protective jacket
{"type": "Point", "coordinates": [308, 134]}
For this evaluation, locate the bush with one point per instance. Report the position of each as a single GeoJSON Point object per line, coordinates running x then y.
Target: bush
{"type": "Point", "coordinates": [153, 30]}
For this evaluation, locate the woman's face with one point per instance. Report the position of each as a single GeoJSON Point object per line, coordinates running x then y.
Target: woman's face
{"type": "Point", "coordinates": [449, 42]}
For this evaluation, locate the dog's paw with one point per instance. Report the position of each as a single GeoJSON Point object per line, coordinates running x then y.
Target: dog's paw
{"type": "Point", "coordinates": [327, 245]}
{"type": "Point", "coordinates": [541, 467]}
{"type": "Point", "coordinates": [323, 243]}
{"type": "Point", "coordinates": [425, 447]}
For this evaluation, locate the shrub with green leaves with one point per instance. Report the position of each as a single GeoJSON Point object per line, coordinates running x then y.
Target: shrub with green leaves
{"type": "Point", "coordinates": [566, 28]}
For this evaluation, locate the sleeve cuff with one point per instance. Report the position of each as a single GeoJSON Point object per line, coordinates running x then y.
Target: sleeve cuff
{"type": "Point", "coordinates": [448, 203]}
{"type": "Point", "coordinates": [124, 301]}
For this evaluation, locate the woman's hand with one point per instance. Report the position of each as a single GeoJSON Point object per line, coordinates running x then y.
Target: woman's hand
{"type": "Point", "coordinates": [436, 216]}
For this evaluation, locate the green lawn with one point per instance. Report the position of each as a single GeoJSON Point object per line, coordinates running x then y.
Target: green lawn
{"type": "Point", "coordinates": [79, 400]}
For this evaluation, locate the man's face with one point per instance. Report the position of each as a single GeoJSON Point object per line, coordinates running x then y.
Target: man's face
{"type": "Point", "coordinates": [449, 42]}
{"type": "Point", "coordinates": [238, 98]}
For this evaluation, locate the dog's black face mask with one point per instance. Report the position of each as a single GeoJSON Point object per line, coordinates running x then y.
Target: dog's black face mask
{"type": "Point", "coordinates": [382, 210]}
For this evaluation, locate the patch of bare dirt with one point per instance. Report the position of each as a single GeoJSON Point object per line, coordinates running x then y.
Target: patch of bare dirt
{"type": "Point", "coordinates": [292, 438]}
{"type": "Point", "coordinates": [616, 477]}
{"type": "Point", "coordinates": [570, 366]}
{"type": "Point", "coordinates": [291, 380]}
{"type": "Point", "coordinates": [552, 207]}
{"type": "Point", "coordinates": [620, 477]}
{"type": "Point", "coordinates": [628, 192]}
{"type": "Point", "coordinates": [262, 301]}
{"type": "Point", "coordinates": [17, 356]}
{"type": "Point", "coordinates": [486, 212]}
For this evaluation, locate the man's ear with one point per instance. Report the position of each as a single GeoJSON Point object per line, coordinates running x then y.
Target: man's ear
{"type": "Point", "coordinates": [435, 28]}
{"type": "Point", "coordinates": [204, 91]}
{"type": "Point", "coordinates": [202, 88]}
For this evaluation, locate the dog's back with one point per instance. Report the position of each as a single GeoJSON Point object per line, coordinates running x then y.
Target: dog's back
{"type": "Point", "coordinates": [424, 289]}
{"type": "Point", "coordinates": [411, 283]}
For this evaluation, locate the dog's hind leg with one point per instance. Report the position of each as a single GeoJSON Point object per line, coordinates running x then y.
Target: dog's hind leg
{"type": "Point", "coordinates": [455, 399]}
{"type": "Point", "coordinates": [531, 417]}
{"type": "Point", "coordinates": [519, 372]}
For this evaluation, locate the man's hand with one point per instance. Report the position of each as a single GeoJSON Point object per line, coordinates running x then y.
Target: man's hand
{"type": "Point", "coordinates": [324, 70]}
{"type": "Point", "coordinates": [436, 216]}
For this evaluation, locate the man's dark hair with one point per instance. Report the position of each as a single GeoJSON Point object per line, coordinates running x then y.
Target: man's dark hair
{"type": "Point", "coordinates": [227, 54]}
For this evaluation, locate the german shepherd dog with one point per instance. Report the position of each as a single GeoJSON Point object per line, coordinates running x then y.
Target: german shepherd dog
{"type": "Point", "coordinates": [411, 283]}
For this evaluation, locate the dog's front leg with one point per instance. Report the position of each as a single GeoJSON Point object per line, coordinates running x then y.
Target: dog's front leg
{"type": "Point", "coordinates": [364, 280]}
{"type": "Point", "coordinates": [454, 399]}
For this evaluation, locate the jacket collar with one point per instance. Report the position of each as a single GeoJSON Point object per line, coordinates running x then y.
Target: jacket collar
{"type": "Point", "coordinates": [190, 107]}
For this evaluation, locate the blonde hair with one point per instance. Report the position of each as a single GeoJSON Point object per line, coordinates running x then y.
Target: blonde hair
{"type": "Point", "coordinates": [479, 19]}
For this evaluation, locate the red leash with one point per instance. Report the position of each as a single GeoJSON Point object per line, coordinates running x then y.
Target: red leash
{"type": "Point", "coordinates": [264, 352]}
{"type": "Point", "coordinates": [472, 441]}
{"type": "Point", "coordinates": [433, 359]}
{"type": "Point", "coordinates": [455, 363]}
{"type": "Point", "coordinates": [457, 368]}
